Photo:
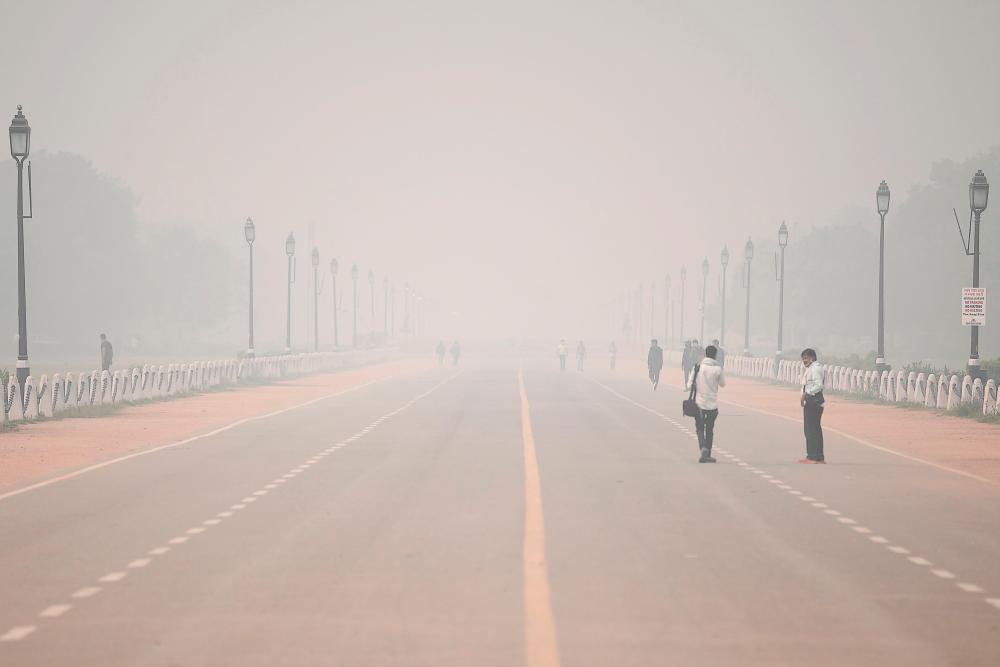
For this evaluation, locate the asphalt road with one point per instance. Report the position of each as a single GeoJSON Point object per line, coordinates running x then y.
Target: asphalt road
{"type": "Point", "coordinates": [424, 521]}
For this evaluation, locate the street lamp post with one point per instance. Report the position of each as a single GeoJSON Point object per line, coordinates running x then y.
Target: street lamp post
{"type": "Point", "coordinates": [371, 290]}
{"type": "Point", "coordinates": [724, 261]}
{"type": "Point", "coordinates": [354, 279]}
{"type": "Point", "coordinates": [684, 275]}
{"type": "Point", "coordinates": [385, 306]}
{"type": "Point", "coordinates": [704, 294]}
{"type": "Point", "coordinates": [782, 243]}
{"type": "Point", "coordinates": [290, 251]}
{"type": "Point", "coordinates": [20, 147]}
{"type": "Point", "coordinates": [882, 201]}
{"type": "Point", "coordinates": [315, 261]}
{"type": "Point", "coordinates": [979, 193]}
{"type": "Point", "coordinates": [748, 250]}
{"type": "Point", "coordinates": [336, 328]}
{"type": "Point", "coordinates": [250, 232]}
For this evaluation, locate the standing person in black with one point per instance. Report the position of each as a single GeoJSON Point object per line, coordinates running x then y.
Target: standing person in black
{"type": "Point", "coordinates": [686, 363]}
{"type": "Point", "coordinates": [654, 361]}
{"type": "Point", "coordinates": [720, 354]}
{"type": "Point", "coordinates": [107, 353]}
{"type": "Point", "coordinates": [812, 406]}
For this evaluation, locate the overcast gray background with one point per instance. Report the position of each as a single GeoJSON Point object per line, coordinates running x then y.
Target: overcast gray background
{"type": "Point", "coordinates": [520, 162]}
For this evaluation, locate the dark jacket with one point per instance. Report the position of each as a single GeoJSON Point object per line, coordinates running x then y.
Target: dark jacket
{"type": "Point", "coordinates": [655, 357]}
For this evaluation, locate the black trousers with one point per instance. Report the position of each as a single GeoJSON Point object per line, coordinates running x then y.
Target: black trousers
{"type": "Point", "coordinates": [654, 375]}
{"type": "Point", "coordinates": [704, 423]}
{"type": "Point", "coordinates": [812, 416]}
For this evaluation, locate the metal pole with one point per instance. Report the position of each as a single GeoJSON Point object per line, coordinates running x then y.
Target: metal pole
{"type": "Point", "coordinates": [683, 285]}
{"type": "Point", "coordinates": [974, 369]}
{"type": "Point", "coordinates": [288, 325]}
{"type": "Point", "coordinates": [746, 336]}
{"type": "Point", "coordinates": [722, 333]}
{"type": "Point", "coordinates": [23, 369]}
{"type": "Point", "coordinates": [373, 308]}
{"type": "Point", "coordinates": [704, 294]}
{"type": "Point", "coordinates": [315, 309]}
{"type": "Point", "coordinates": [880, 356]}
{"type": "Point", "coordinates": [250, 350]}
{"type": "Point", "coordinates": [781, 301]}
{"type": "Point", "coordinates": [336, 328]}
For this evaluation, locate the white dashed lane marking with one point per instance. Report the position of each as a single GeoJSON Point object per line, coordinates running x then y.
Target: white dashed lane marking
{"type": "Point", "coordinates": [19, 632]}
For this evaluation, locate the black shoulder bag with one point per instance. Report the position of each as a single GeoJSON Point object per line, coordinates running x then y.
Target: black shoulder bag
{"type": "Point", "coordinates": [690, 407]}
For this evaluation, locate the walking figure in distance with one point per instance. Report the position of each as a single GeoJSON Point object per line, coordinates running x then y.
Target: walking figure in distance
{"type": "Point", "coordinates": [812, 406]}
{"type": "Point", "coordinates": [707, 378]}
{"type": "Point", "coordinates": [686, 363]}
{"type": "Point", "coordinates": [581, 352]}
{"type": "Point", "coordinates": [456, 352]}
{"type": "Point", "coordinates": [440, 353]}
{"type": "Point", "coordinates": [613, 354]}
{"type": "Point", "coordinates": [107, 353]}
{"type": "Point", "coordinates": [720, 354]}
{"type": "Point", "coordinates": [654, 361]}
{"type": "Point", "coordinates": [563, 350]}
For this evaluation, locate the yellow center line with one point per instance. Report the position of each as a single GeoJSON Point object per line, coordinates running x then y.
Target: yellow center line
{"type": "Point", "coordinates": [541, 647]}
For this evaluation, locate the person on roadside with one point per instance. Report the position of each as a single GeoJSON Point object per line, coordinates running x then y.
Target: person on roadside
{"type": "Point", "coordinates": [707, 377]}
{"type": "Point", "coordinates": [720, 354]}
{"type": "Point", "coordinates": [613, 354]}
{"type": "Point", "coordinates": [686, 363]}
{"type": "Point", "coordinates": [107, 353]}
{"type": "Point", "coordinates": [581, 353]}
{"type": "Point", "coordinates": [697, 352]}
{"type": "Point", "coordinates": [456, 352]}
{"type": "Point", "coordinates": [440, 351]}
{"type": "Point", "coordinates": [563, 350]}
{"type": "Point", "coordinates": [654, 361]}
{"type": "Point", "coordinates": [813, 379]}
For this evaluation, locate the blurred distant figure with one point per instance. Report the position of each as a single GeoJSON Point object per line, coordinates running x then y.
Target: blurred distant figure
{"type": "Point", "coordinates": [654, 361]}
{"type": "Point", "coordinates": [441, 350]}
{"type": "Point", "coordinates": [563, 350]}
{"type": "Point", "coordinates": [456, 352]}
{"type": "Point", "coordinates": [720, 354]}
{"type": "Point", "coordinates": [697, 352]}
{"type": "Point", "coordinates": [812, 406]}
{"type": "Point", "coordinates": [581, 352]}
{"type": "Point", "coordinates": [613, 354]}
{"type": "Point", "coordinates": [107, 353]}
{"type": "Point", "coordinates": [686, 363]}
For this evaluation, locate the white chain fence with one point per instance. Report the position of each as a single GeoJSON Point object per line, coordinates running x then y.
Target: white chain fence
{"type": "Point", "coordinates": [48, 398]}
{"type": "Point", "coordinates": [944, 392]}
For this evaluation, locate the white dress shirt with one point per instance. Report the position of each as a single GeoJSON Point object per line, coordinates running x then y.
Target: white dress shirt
{"type": "Point", "coordinates": [813, 378]}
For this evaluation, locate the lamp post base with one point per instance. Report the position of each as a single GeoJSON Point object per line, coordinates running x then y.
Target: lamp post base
{"type": "Point", "coordinates": [881, 366]}
{"type": "Point", "coordinates": [250, 352]}
{"type": "Point", "coordinates": [975, 370]}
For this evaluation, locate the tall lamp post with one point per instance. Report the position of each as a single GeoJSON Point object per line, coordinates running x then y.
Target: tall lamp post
{"type": "Point", "coordinates": [782, 243]}
{"type": "Point", "coordinates": [336, 329]}
{"type": "Point", "coordinates": [354, 279]}
{"type": "Point", "coordinates": [979, 193]}
{"type": "Point", "coordinates": [290, 251]}
{"type": "Point", "coordinates": [748, 250]}
{"type": "Point", "coordinates": [882, 201]}
{"type": "Point", "coordinates": [20, 147]}
{"type": "Point", "coordinates": [315, 261]}
{"type": "Point", "coordinates": [704, 294]}
{"type": "Point", "coordinates": [684, 275]}
{"type": "Point", "coordinates": [666, 311]}
{"type": "Point", "coordinates": [250, 232]}
{"type": "Point", "coordinates": [724, 261]}
{"type": "Point", "coordinates": [371, 290]}
{"type": "Point", "coordinates": [385, 306]}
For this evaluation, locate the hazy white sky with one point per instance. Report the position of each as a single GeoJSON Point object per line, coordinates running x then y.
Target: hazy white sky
{"type": "Point", "coordinates": [513, 159]}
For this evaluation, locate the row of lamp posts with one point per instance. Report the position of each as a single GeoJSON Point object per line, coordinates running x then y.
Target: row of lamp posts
{"type": "Point", "coordinates": [250, 233]}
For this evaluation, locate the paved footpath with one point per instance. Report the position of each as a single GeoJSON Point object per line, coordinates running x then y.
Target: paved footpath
{"type": "Point", "coordinates": [503, 514]}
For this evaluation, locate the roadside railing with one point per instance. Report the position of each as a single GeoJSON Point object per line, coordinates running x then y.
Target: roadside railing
{"type": "Point", "coordinates": [49, 397]}
{"type": "Point", "coordinates": [942, 392]}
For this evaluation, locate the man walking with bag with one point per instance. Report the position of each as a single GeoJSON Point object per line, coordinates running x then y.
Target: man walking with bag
{"type": "Point", "coordinates": [705, 381]}
{"type": "Point", "coordinates": [812, 406]}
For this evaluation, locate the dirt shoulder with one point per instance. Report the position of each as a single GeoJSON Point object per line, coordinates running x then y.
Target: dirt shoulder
{"type": "Point", "coordinates": [953, 442]}
{"type": "Point", "coordinates": [38, 450]}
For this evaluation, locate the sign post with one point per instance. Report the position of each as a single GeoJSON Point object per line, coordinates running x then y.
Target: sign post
{"type": "Point", "coordinates": [974, 306]}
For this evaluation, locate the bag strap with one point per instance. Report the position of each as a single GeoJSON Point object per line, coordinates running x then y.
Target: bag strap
{"type": "Point", "coordinates": [694, 382]}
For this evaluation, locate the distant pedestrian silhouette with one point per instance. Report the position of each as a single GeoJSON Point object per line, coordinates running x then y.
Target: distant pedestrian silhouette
{"type": "Point", "coordinates": [456, 352]}
{"type": "Point", "coordinates": [563, 351]}
{"type": "Point", "coordinates": [107, 353]}
{"type": "Point", "coordinates": [654, 361]}
{"type": "Point", "coordinates": [441, 351]}
{"type": "Point", "coordinates": [613, 354]}
{"type": "Point", "coordinates": [581, 353]}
